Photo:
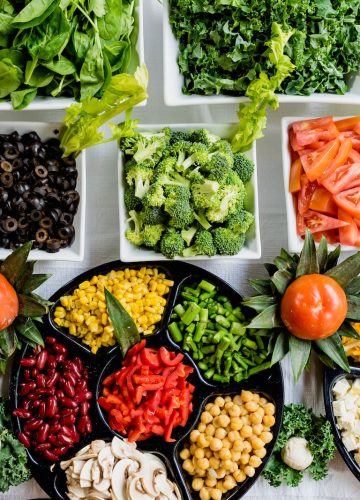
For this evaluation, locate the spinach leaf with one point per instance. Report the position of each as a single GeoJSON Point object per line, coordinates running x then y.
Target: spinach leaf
{"type": "Point", "coordinates": [10, 77]}
{"type": "Point", "coordinates": [22, 98]}
{"type": "Point", "coordinates": [39, 77]}
{"type": "Point", "coordinates": [92, 71]}
{"type": "Point", "coordinates": [15, 56]}
{"type": "Point", "coordinates": [118, 54]}
{"type": "Point", "coordinates": [34, 13]}
{"type": "Point", "coordinates": [98, 7]}
{"type": "Point", "coordinates": [109, 25]}
{"type": "Point", "coordinates": [61, 66]}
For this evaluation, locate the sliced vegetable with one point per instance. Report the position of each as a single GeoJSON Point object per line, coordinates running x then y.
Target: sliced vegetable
{"type": "Point", "coordinates": [295, 175]}
{"type": "Point", "coordinates": [349, 201]}
{"type": "Point", "coordinates": [322, 201]}
{"type": "Point", "coordinates": [315, 162]}
{"type": "Point", "coordinates": [316, 222]}
{"type": "Point", "coordinates": [344, 177]}
{"type": "Point", "coordinates": [348, 234]}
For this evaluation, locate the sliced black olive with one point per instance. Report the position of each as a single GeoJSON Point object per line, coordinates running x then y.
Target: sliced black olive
{"type": "Point", "coordinates": [35, 215]}
{"type": "Point", "coordinates": [69, 161]}
{"type": "Point", "coordinates": [15, 136]}
{"type": "Point", "coordinates": [55, 213]}
{"type": "Point", "coordinates": [23, 222]}
{"type": "Point", "coordinates": [41, 171]}
{"type": "Point", "coordinates": [21, 187]}
{"type": "Point", "coordinates": [7, 179]}
{"type": "Point", "coordinates": [16, 175]}
{"type": "Point", "coordinates": [30, 137]}
{"type": "Point", "coordinates": [10, 224]}
{"type": "Point", "coordinates": [66, 218]}
{"type": "Point", "coordinates": [6, 166]}
{"type": "Point", "coordinates": [63, 183]}
{"type": "Point", "coordinates": [66, 232]}
{"type": "Point", "coordinates": [53, 199]}
{"type": "Point", "coordinates": [10, 153]}
{"type": "Point", "coordinates": [73, 182]}
{"type": "Point", "coordinates": [46, 223]}
{"type": "Point", "coordinates": [41, 235]}
{"type": "Point", "coordinates": [4, 195]}
{"type": "Point", "coordinates": [17, 163]}
{"type": "Point", "coordinates": [53, 142]}
{"type": "Point", "coordinates": [4, 241]}
{"type": "Point", "coordinates": [43, 190]}
{"type": "Point", "coordinates": [20, 146]}
{"type": "Point", "coordinates": [53, 245]}
{"type": "Point", "coordinates": [73, 207]}
{"type": "Point", "coordinates": [40, 182]}
{"type": "Point", "coordinates": [36, 201]}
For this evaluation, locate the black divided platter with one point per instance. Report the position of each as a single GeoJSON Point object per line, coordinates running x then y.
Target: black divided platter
{"type": "Point", "coordinates": [269, 383]}
{"type": "Point", "coordinates": [330, 379]}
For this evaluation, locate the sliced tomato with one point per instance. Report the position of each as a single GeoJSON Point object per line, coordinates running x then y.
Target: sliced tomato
{"type": "Point", "coordinates": [315, 222]}
{"type": "Point", "coordinates": [354, 156]}
{"type": "Point", "coordinates": [300, 224]}
{"type": "Point", "coordinates": [308, 137]}
{"type": "Point", "coordinates": [312, 123]}
{"type": "Point", "coordinates": [340, 159]}
{"type": "Point", "coordinates": [348, 234]}
{"type": "Point", "coordinates": [356, 142]}
{"type": "Point", "coordinates": [293, 141]}
{"type": "Point", "coordinates": [349, 201]}
{"type": "Point", "coordinates": [305, 195]}
{"type": "Point", "coordinates": [295, 174]}
{"type": "Point", "coordinates": [316, 162]}
{"type": "Point", "coordinates": [347, 123]}
{"type": "Point", "coordinates": [344, 177]}
{"type": "Point", "coordinates": [331, 236]}
{"type": "Point", "coordinates": [322, 201]}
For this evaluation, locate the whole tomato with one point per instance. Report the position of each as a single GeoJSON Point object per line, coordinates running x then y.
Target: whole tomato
{"type": "Point", "coordinates": [9, 303]}
{"type": "Point", "coordinates": [313, 307]}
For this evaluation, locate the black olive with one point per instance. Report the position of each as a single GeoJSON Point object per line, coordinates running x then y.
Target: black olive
{"type": "Point", "coordinates": [21, 207]}
{"type": "Point", "coordinates": [46, 223]}
{"type": "Point", "coordinates": [30, 138]}
{"type": "Point", "coordinates": [36, 201]}
{"type": "Point", "coordinates": [53, 245]}
{"type": "Point", "coordinates": [70, 170]}
{"type": "Point", "coordinates": [6, 166]}
{"type": "Point", "coordinates": [20, 146]}
{"type": "Point", "coordinates": [73, 182]}
{"type": "Point", "coordinates": [53, 142]}
{"type": "Point", "coordinates": [41, 235]}
{"type": "Point", "coordinates": [55, 213]}
{"type": "Point", "coordinates": [41, 171]}
{"type": "Point", "coordinates": [15, 136]}
{"type": "Point", "coordinates": [66, 232]}
{"type": "Point", "coordinates": [4, 195]}
{"type": "Point", "coordinates": [40, 182]}
{"type": "Point", "coordinates": [69, 161]}
{"type": "Point", "coordinates": [10, 153]}
{"type": "Point", "coordinates": [16, 175]}
{"type": "Point", "coordinates": [43, 190]}
{"type": "Point", "coordinates": [4, 242]}
{"type": "Point", "coordinates": [23, 222]}
{"type": "Point", "coordinates": [9, 225]}
{"type": "Point", "coordinates": [35, 215]}
{"type": "Point", "coordinates": [21, 187]}
{"type": "Point", "coordinates": [63, 183]}
{"type": "Point", "coordinates": [73, 208]}
{"type": "Point", "coordinates": [35, 148]}
{"type": "Point", "coordinates": [53, 199]}
{"type": "Point", "coordinates": [17, 163]}
{"type": "Point", "coordinates": [7, 179]}
{"type": "Point", "coordinates": [66, 218]}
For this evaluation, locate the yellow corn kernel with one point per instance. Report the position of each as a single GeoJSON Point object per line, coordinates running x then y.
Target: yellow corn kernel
{"type": "Point", "coordinates": [72, 329]}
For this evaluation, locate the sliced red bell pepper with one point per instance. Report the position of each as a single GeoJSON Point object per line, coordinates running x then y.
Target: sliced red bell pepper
{"type": "Point", "coordinates": [166, 359]}
{"type": "Point", "coordinates": [150, 357]}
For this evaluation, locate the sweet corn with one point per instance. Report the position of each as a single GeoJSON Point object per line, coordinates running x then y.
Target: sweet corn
{"type": "Point", "coordinates": [141, 291]}
{"type": "Point", "coordinates": [352, 346]}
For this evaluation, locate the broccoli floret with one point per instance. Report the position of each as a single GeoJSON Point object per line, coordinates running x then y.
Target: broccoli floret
{"type": "Point", "coordinates": [200, 217]}
{"type": "Point", "coordinates": [218, 167]}
{"type": "Point", "coordinates": [155, 197]}
{"type": "Point", "coordinates": [179, 136]}
{"type": "Point", "coordinates": [140, 176]}
{"type": "Point", "coordinates": [227, 242]}
{"type": "Point", "coordinates": [204, 245]}
{"type": "Point", "coordinates": [240, 221]}
{"type": "Point", "coordinates": [171, 244]}
{"type": "Point", "coordinates": [152, 234]}
{"type": "Point", "coordinates": [204, 136]}
{"type": "Point", "coordinates": [130, 200]}
{"type": "Point", "coordinates": [194, 175]}
{"type": "Point", "coordinates": [224, 202]}
{"type": "Point", "coordinates": [198, 156]}
{"type": "Point", "coordinates": [152, 215]}
{"type": "Point", "coordinates": [222, 148]}
{"type": "Point", "coordinates": [134, 234]}
{"type": "Point", "coordinates": [180, 150]}
{"type": "Point", "coordinates": [202, 193]}
{"type": "Point", "coordinates": [129, 144]}
{"type": "Point", "coordinates": [243, 166]}
{"type": "Point", "coordinates": [150, 147]}
{"type": "Point", "coordinates": [177, 205]}
{"type": "Point", "coordinates": [188, 234]}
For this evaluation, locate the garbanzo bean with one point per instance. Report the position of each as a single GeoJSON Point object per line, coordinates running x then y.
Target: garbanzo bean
{"type": "Point", "coordinates": [194, 435]}
{"type": "Point", "coordinates": [202, 427]}
{"type": "Point", "coordinates": [268, 420]}
{"type": "Point", "coordinates": [239, 476]}
{"type": "Point", "coordinates": [206, 417]}
{"type": "Point", "coordinates": [255, 461]}
{"type": "Point", "coordinates": [211, 482]}
{"type": "Point", "coordinates": [260, 453]}
{"type": "Point", "coordinates": [210, 430]}
{"type": "Point", "coordinates": [204, 494]}
{"type": "Point", "coordinates": [220, 433]}
{"type": "Point", "coordinates": [215, 444]}
{"type": "Point", "coordinates": [185, 453]}
{"type": "Point", "coordinates": [215, 494]}
{"type": "Point", "coordinates": [215, 410]}
{"type": "Point", "coordinates": [197, 484]}
{"type": "Point", "coordinates": [269, 409]}
{"type": "Point", "coordinates": [251, 406]}
{"type": "Point", "coordinates": [257, 443]}
{"type": "Point", "coordinates": [249, 471]}
{"type": "Point", "coordinates": [266, 437]}
{"type": "Point", "coordinates": [246, 431]}
{"type": "Point", "coordinates": [219, 401]}
{"type": "Point", "coordinates": [245, 457]}
{"type": "Point", "coordinates": [199, 453]}
{"type": "Point", "coordinates": [224, 454]}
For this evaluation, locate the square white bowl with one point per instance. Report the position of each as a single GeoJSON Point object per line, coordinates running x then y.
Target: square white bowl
{"type": "Point", "coordinates": [53, 103]}
{"type": "Point", "coordinates": [173, 81]}
{"type": "Point", "coordinates": [295, 242]}
{"type": "Point", "coordinates": [75, 252]}
{"type": "Point", "coordinates": [252, 247]}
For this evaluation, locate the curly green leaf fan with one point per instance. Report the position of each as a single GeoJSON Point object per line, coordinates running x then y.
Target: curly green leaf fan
{"type": "Point", "coordinates": [19, 274]}
{"type": "Point", "coordinates": [284, 271]}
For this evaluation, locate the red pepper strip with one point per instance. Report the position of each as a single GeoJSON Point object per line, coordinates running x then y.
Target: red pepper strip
{"type": "Point", "coordinates": [154, 402]}
{"type": "Point", "coordinates": [135, 349]}
{"type": "Point", "coordinates": [104, 404]}
{"type": "Point", "coordinates": [158, 430]}
{"type": "Point", "coordinates": [113, 400]}
{"type": "Point", "coordinates": [169, 428]}
{"type": "Point", "coordinates": [109, 380]}
{"type": "Point", "coordinates": [183, 370]}
{"type": "Point", "coordinates": [171, 380]}
{"type": "Point", "coordinates": [184, 408]}
{"type": "Point", "coordinates": [139, 394]}
{"type": "Point", "coordinates": [148, 379]}
{"type": "Point", "coordinates": [150, 358]}
{"type": "Point", "coordinates": [166, 359]}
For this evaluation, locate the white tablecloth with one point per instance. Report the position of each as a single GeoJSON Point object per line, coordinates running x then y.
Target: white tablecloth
{"type": "Point", "coordinates": [102, 240]}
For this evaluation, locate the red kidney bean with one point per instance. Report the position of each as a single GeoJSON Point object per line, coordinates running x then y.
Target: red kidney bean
{"type": "Point", "coordinates": [84, 408]}
{"type": "Point", "coordinates": [69, 389]}
{"type": "Point", "coordinates": [50, 340]}
{"type": "Point", "coordinates": [55, 428]}
{"type": "Point", "coordinates": [32, 396]}
{"type": "Point", "coordinates": [88, 428]}
{"type": "Point", "coordinates": [51, 381]}
{"type": "Point", "coordinates": [60, 358]}
{"type": "Point", "coordinates": [34, 372]}
{"type": "Point", "coordinates": [60, 394]}
{"type": "Point", "coordinates": [66, 411]}
{"type": "Point", "coordinates": [68, 420]}
{"type": "Point", "coordinates": [60, 451]}
{"type": "Point", "coordinates": [36, 403]}
{"type": "Point", "coordinates": [51, 406]}
{"type": "Point", "coordinates": [27, 375]}
{"type": "Point", "coordinates": [27, 404]}
{"type": "Point", "coordinates": [83, 396]}
{"type": "Point", "coordinates": [54, 441]}
{"type": "Point", "coordinates": [49, 455]}
{"type": "Point", "coordinates": [33, 424]}
{"type": "Point", "coordinates": [42, 447]}
{"type": "Point", "coordinates": [42, 409]}
{"type": "Point", "coordinates": [21, 413]}
{"type": "Point", "coordinates": [43, 433]}
{"type": "Point", "coordinates": [59, 348]}
{"type": "Point", "coordinates": [40, 380]}
{"type": "Point", "coordinates": [41, 359]}
{"type": "Point", "coordinates": [66, 440]}
{"type": "Point", "coordinates": [28, 362]}
{"type": "Point", "coordinates": [24, 439]}
{"type": "Point", "coordinates": [26, 388]}
{"type": "Point", "coordinates": [51, 362]}
{"type": "Point", "coordinates": [83, 424]}
{"type": "Point", "coordinates": [81, 386]}
{"type": "Point", "coordinates": [75, 369]}
{"type": "Point", "coordinates": [37, 349]}
{"type": "Point", "coordinates": [69, 403]}
{"type": "Point", "coordinates": [70, 376]}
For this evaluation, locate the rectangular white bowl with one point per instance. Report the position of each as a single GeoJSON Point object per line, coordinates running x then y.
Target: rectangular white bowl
{"type": "Point", "coordinates": [295, 242]}
{"type": "Point", "coordinates": [76, 251]}
{"type": "Point", "coordinates": [173, 81]}
{"type": "Point", "coordinates": [53, 103]}
{"type": "Point", "coordinates": [252, 247]}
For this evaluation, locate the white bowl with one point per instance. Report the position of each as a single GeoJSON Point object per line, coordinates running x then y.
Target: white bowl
{"type": "Point", "coordinates": [173, 81]}
{"type": "Point", "coordinates": [295, 242]}
{"type": "Point", "coordinates": [53, 103]}
{"type": "Point", "coordinates": [252, 247]}
{"type": "Point", "coordinates": [76, 251]}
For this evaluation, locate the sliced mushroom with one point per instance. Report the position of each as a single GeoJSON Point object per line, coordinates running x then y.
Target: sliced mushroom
{"type": "Point", "coordinates": [97, 445]}
{"type": "Point", "coordinates": [119, 477]}
{"type": "Point", "coordinates": [99, 494]}
{"type": "Point", "coordinates": [133, 492]}
{"type": "Point", "coordinates": [123, 449]}
{"type": "Point", "coordinates": [85, 474]}
{"type": "Point", "coordinates": [106, 461]}
{"type": "Point", "coordinates": [164, 487]}
{"type": "Point", "coordinates": [83, 450]}
{"type": "Point", "coordinates": [77, 466]}
{"type": "Point", "coordinates": [77, 491]}
{"type": "Point", "coordinates": [95, 472]}
{"type": "Point", "coordinates": [149, 465]}
{"type": "Point", "coordinates": [102, 485]}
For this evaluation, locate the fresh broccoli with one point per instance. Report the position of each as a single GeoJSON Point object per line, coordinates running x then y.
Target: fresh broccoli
{"type": "Point", "coordinates": [194, 175]}
{"type": "Point", "coordinates": [243, 166]}
{"type": "Point", "coordinates": [227, 242]}
{"type": "Point", "coordinates": [150, 147]}
{"type": "Point", "coordinates": [131, 201]}
{"type": "Point", "coordinates": [222, 148]}
{"type": "Point", "coordinates": [180, 150]}
{"type": "Point", "coordinates": [204, 136]}
{"type": "Point", "coordinates": [152, 215]}
{"type": "Point", "coordinates": [218, 167]}
{"type": "Point", "coordinates": [140, 176]}
{"type": "Point", "coordinates": [200, 217]}
{"type": "Point", "coordinates": [179, 136]}
{"type": "Point", "coordinates": [202, 193]}
{"type": "Point", "coordinates": [224, 202]}
{"type": "Point", "coordinates": [188, 234]}
{"type": "Point", "coordinates": [128, 144]}
{"type": "Point", "coordinates": [198, 156]}
{"type": "Point", "coordinates": [204, 245]}
{"type": "Point", "coordinates": [134, 235]}
{"type": "Point", "coordinates": [152, 234]}
{"type": "Point", "coordinates": [171, 244]}
{"type": "Point", "coordinates": [177, 205]}
{"type": "Point", "coordinates": [154, 197]}
{"type": "Point", "coordinates": [166, 175]}
{"type": "Point", "coordinates": [240, 221]}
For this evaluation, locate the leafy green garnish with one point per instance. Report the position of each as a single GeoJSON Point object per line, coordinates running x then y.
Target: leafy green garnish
{"type": "Point", "coordinates": [13, 457]}
{"type": "Point", "coordinates": [300, 421]}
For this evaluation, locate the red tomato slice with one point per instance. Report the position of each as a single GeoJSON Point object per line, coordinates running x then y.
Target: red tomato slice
{"type": "Point", "coordinates": [293, 141]}
{"type": "Point", "coordinates": [300, 224]}
{"type": "Point", "coordinates": [317, 161]}
{"type": "Point", "coordinates": [340, 158]}
{"type": "Point", "coordinates": [315, 222]}
{"type": "Point", "coordinates": [344, 177]}
{"type": "Point", "coordinates": [331, 236]}
{"type": "Point", "coordinates": [348, 234]}
{"type": "Point", "coordinates": [349, 201]}
{"type": "Point", "coordinates": [354, 156]}
{"type": "Point", "coordinates": [347, 123]}
{"type": "Point", "coordinates": [312, 123]}
{"type": "Point", "coordinates": [308, 137]}
{"type": "Point", "coordinates": [305, 195]}
{"type": "Point", "coordinates": [295, 174]}
{"type": "Point", "coordinates": [322, 201]}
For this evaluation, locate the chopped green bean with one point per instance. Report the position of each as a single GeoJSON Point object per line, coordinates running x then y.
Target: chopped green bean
{"type": "Point", "coordinates": [205, 285]}
{"type": "Point", "coordinates": [175, 332]}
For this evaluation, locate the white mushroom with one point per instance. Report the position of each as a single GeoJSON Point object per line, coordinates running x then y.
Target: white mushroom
{"type": "Point", "coordinates": [77, 491]}
{"type": "Point", "coordinates": [95, 472]}
{"type": "Point", "coordinates": [164, 487]}
{"type": "Point", "coordinates": [83, 450]}
{"type": "Point", "coordinates": [123, 449]}
{"type": "Point", "coordinates": [106, 461]}
{"type": "Point", "coordinates": [99, 494]}
{"type": "Point", "coordinates": [134, 493]}
{"type": "Point", "coordinates": [77, 466]}
{"type": "Point", "coordinates": [102, 485]}
{"type": "Point", "coordinates": [119, 477]}
{"type": "Point", "coordinates": [85, 474]}
{"type": "Point", "coordinates": [97, 445]}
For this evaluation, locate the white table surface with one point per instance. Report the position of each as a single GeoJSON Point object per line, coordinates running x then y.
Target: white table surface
{"type": "Point", "coordinates": [102, 240]}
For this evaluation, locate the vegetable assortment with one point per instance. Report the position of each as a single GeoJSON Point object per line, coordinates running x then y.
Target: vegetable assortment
{"type": "Point", "coordinates": [185, 193]}
{"type": "Point", "coordinates": [63, 48]}
{"type": "Point", "coordinates": [142, 292]}
{"type": "Point", "coordinates": [325, 177]}
{"type": "Point", "coordinates": [228, 444]}
{"type": "Point", "coordinates": [37, 192]}
{"type": "Point", "coordinates": [300, 423]}
{"type": "Point", "coordinates": [215, 333]}
{"type": "Point", "coordinates": [54, 401]}
{"type": "Point", "coordinates": [149, 395]}
{"type": "Point", "coordinates": [117, 470]}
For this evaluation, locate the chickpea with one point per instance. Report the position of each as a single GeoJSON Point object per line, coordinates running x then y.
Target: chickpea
{"type": "Point", "coordinates": [220, 486]}
{"type": "Point", "coordinates": [199, 473]}
{"type": "Point", "coordinates": [214, 463]}
{"type": "Point", "coordinates": [245, 419]}
{"type": "Point", "coordinates": [262, 401]}
{"type": "Point", "coordinates": [222, 421]}
{"type": "Point", "coordinates": [229, 405]}
{"type": "Point", "coordinates": [257, 443]}
{"type": "Point", "coordinates": [243, 411]}
{"type": "Point", "coordinates": [260, 411]}
{"type": "Point", "coordinates": [204, 494]}
{"type": "Point", "coordinates": [215, 444]}
{"type": "Point", "coordinates": [221, 473]}
{"type": "Point", "coordinates": [220, 433]}
{"type": "Point", "coordinates": [219, 401]}
{"type": "Point", "coordinates": [210, 430]}
{"type": "Point", "coordinates": [266, 437]}
{"type": "Point", "coordinates": [233, 436]}
{"type": "Point", "coordinates": [239, 476]}
{"type": "Point", "coordinates": [203, 463]}
{"type": "Point", "coordinates": [255, 461]}
{"type": "Point", "coordinates": [211, 472]}
{"type": "Point", "coordinates": [255, 418]}
{"type": "Point", "coordinates": [224, 454]}
{"type": "Point", "coordinates": [208, 453]}
{"type": "Point", "coordinates": [256, 397]}
{"type": "Point", "coordinates": [251, 406]}
{"type": "Point", "coordinates": [260, 453]}
{"type": "Point", "coordinates": [211, 482]}
{"type": "Point", "coordinates": [238, 445]}
{"type": "Point", "coordinates": [227, 464]}
{"type": "Point", "coordinates": [237, 400]}
{"type": "Point", "coordinates": [194, 436]}
{"type": "Point", "coordinates": [258, 429]}
{"type": "Point", "coordinates": [206, 417]}
{"type": "Point", "coordinates": [249, 471]}
{"type": "Point", "coordinates": [228, 399]}
{"type": "Point", "coordinates": [209, 406]}
{"type": "Point", "coordinates": [203, 442]}
{"type": "Point", "coordinates": [247, 446]}
{"type": "Point", "coordinates": [202, 427]}
{"type": "Point", "coordinates": [193, 448]}
{"type": "Point", "coordinates": [226, 443]}
{"type": "Point", "coordinates": [236, 424]}
{"type": "Point", "coordinates": [269, 420]}
{"type": "Point", "coordinates": [244, 459]}
{"type": "Point", "coordinates": [246, 396]}
{"type": "Point", "coordinates": [199, 453]}
{"type": "Point", "coordinates": [215, 411]}
{"type": "Point", "coordinates": [185, 453]}
{"type": "Point", "coordinates": [234, 411]}
{"type": "Point", "coordinates": [246, 431]}
{"type": "Point", "coordinates": [235, 456]}
{"type": "Point", "coordinates": [229, 482]}
{"type": "Point", "coordinates": [269, 409]}
{"type": "Point", "coordinates": [197, 484]}
{"type": "Point", "coordinates": [188, 466]}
